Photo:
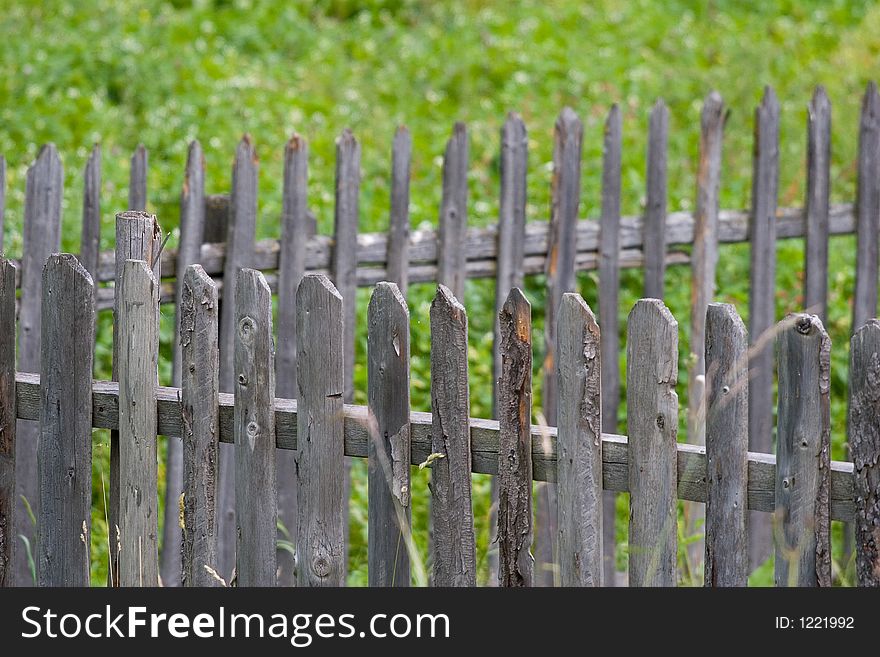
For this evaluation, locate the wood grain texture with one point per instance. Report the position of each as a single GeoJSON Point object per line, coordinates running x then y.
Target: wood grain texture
{"type": "Point", "coordinates": [200, 424]}
{"type": "Point", "coordinates": [41, 235]}
{"type": "Point", "coordinates": [388, 451]}
{"type": "Point", "coordinates": [7, 422]}
{"type": "Point", "coordinates": [867, 208]}
{"type": "Point", "coordinates": [64, 453]}
{"type": "Point", "coordinates": [90, 245]}
{"type": "Point", "coordinates": [452, 231]}
{"type": "Point", "coordinates": [137, 363]}
{"type": "Point", "coordinates": [322, 504]}
{"type": "Point", "coordinates": [240, 249]}
{"type": "Point", "coordinates": [864, 443]}
{"type": "Point", "coordinates": [652, 420]}
{"type": "Point", "coordinates": [256, 513]}
{"type": "Point", "coordinates": [803, 452]}
{"type": "Point", "coordinates": [655, 201]}
{"type": "Point", "coordinates": [727, 443]}
{"type": "Point", "coordinates": [397, 257]}
{"type": "Point", "coordinates": [579, 446]}
{"type": "Point", "coordinates": [295, 232]}
{"type": "Point", "coordinates": [762, 299]}
{"type": "Point", "coordinates": [454, 543]}
{"type": "Point", "coordinates": [817, 203]}
{"type": "Point", "coordinates": [137, 185]}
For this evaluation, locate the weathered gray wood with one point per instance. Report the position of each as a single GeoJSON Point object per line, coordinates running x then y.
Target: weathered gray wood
{"type": "Point", "coordinates": [322, 503]}
{"type": "Point", "coordinates": [453, 213]}
{"type": "Point", "coordinates": [90, 246]}
{"type": "Point", "coordinates": [295, 232]}
{"type": "Point", "coordinates": [453, 540]}
{"type": "Point", "coordinates": [138, 237]}
{"type": "Point", "coordinates": [200, 424]}
{"type": "Point", "coordinates": [137, 186]}
{"type": "Point", "coordinates": [7, 422]}
{"type": "Point", "coordinates": [727, 443]}
{"type": "Point", "coordinates": [515, 562]}
{"type": "Point", "coordinates": [655, 201]}
{"type": "Point", "coordinates": [388, 450]}
{"type": "Point", "coordinates": [762, 300]}
{"type": "Point", "coordinates": [817, 203]}
{"type": "Point", "coordinates": [652, 420]}
{"type": "Point", "coordinates": [609, 286]}
{"type": "Point", "coordinates": [64, 453]}
{"type": "Point", "coordinates": [255, 492]}
{"type": "Point", "coordinates": [137, 362]}
{"type": "Point", "coordinates": [240, 253]}
{"type": "Point", "coordinates": [579, 445]}
{"type": "Point", "coordinates": [803, 452]}
{"type": "Point", "coordinates": [864, 443]}
{"type": "Point", "coordinates": [2, 199]}
{"type": "Point", "coordinates": [398, 231]}
{"type": "Point", "coordinates": [344, 263]}
{"type": "Point", "coordinates": [691, 466]}
{"type": "Point", "coordinates": [867, 208]}
{"type": "Point", "coordinates": [559, 269]}
{"type": "Point", "coordinates": [41, 237]}
{"type": "Point", "coordinates": [216, 219]}
{"type": "Point", "coordinates": [192, 223]}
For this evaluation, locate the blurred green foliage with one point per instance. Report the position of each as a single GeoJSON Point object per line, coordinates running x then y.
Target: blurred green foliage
{"type": "Point", "coordinates": [121, 72]}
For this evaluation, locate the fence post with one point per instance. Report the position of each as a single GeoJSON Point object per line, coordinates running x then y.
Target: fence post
{"type": "Point", "coordinates": [322, 503]}
{"type": "Point", "coordinates": [7, 422]}
{"type": "Point", "coordinates": [137, 186]}
{"type": "Point", "coordinates": [239, 254]}
{"type": "Point", "coordinates": [727, 445]}
{"type": "Point", "coordinates": [864, 441]}
{"type": "Point", "coordinates": [201, 425]}
{"type": "Point", "coordinates": [568, 138]}
{"type": "Point", "coordinates": [816, 203]}
{"type": "Point", "coordinates": [42, 237]}
{"type": "Point", "coordinates": [454, 547]}
{"type": "Point", "coordinates": [90, 246]}
{"type": "Point", "coordinates": [64, 456]}
{"type": "Point", "coordinates": [652, 425]}
{"type": "Point", "coordinates": [291, 267]}
{"type": "Point", "coordinates": [803, 459]}
{"type": "Point", "coordinates": [451, 259]}
{"type": "Point", "coordinates": [388, 448]}
{"type": "Point", "coordinates": [397, 258]}
{"type": "Point", "coordinates": [137, 356]}
{"type": "Point", "coordinates": [579, 445]}
{"type": "Point", "coordinates": [255, 491]}
{"type": "Point", "coordinates": [654, 242]}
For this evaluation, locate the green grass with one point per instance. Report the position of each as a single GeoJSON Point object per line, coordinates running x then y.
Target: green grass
{"type": "Point", "coordinates": [162, 73]}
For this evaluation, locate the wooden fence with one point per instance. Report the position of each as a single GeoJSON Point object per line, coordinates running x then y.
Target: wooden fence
{"type": "Point", "coordinates": [218, 232]}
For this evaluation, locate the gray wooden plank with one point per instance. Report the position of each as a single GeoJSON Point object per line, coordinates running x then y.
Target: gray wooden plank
{"type": "Point", "coordinates": [137, 358]}
{"type": "Point", "coordinates": [452, 515]}
{"type": "Point", "coordinates": [240, 253]}
{"type": "Point", "coordinates": [192, 222]}
{"type": "Point", "coordinates": [655, 201]}
{"type": "Point", "coordinates": [803, 453]}
{"type": "Point", "coordinates": [568, 138]}
{"type": "Point", "coordinates": [453, 213]}
{"type": "Point", "coordinates": [652, 421]}
{"type": "Point", "coordinates": [216, 220]}
{"type": "Point", "coordinates": [2, 199]}
{"type": "Point", "coordinates": [137, 185]}
{"type": "Point", "coordinates": [90, 246]}
{"type": "Point", "coordinates": [398, 233]}
{"type": "Point", "coordinates": [64, 453]}
{"type": "Point", "coordinates": [200, 420]}
{"type": "Point", "coordinates": [864, 442]}
{"type": "Point", "coordinates": [7, 422]}
{"type": "Point", "coordinates": [867, 208]}
{"type": "Point", "coordinates": [389, 514]}
{"type": "Point", "coordinates": [762, 300]}
{"type": "Point", "coordinates": [691, 462]}
{"type": "Point", "coordinates": [579, 446]}
{"type": "Point", "coordinates": [295, 232]}
{"type": "Point", "coordinates": [256, 514]}
{"type": "Point", "coordinates": [817, 203]}
{"type": "Point", "coordinates": [41, 237]}
{"type": "Point", "coordinates": [320, 465]}
{"type": "Point", "coordinates": [727, 443]}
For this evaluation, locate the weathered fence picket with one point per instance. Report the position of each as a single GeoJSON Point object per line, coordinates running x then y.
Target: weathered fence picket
{"type": "Point", "coordinates": [655, 201]}
{"type": "Point", "coordinates": [2, 200]}
{"type": "Point", "coordinates": [7, 422]}
{"type": "Point", "coordinates": [397, 268]}
{"type": "Point", "coordinates": [90, 246]}
{"type": "Point", "coordinates": [817, 204]}
{"type": "Point", "coordinates": [453, 213]}
{"type": "Point", "coordinates": [137, 185]}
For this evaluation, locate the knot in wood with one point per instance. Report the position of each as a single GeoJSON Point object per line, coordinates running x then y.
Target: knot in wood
{"type": "Point", "coordinates": [245, 328]}
{"type": "Point", "coordinates": [804, 324]}
{"type": "Point", "coordinates": [242, 379]}
{"type": "Point", "coordinates": [321, 566]}
{"type": "Point", "coordinates": [661, 422]}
